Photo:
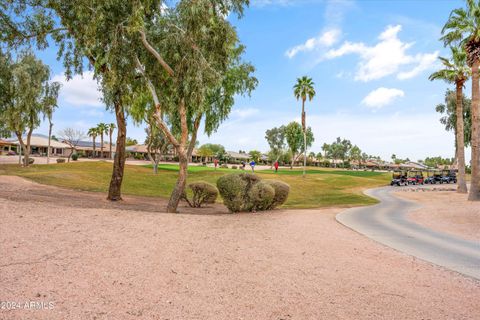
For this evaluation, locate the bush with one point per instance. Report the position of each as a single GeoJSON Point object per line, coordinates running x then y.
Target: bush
{"type": "Point", "coordinates": [75, 157]}
{"type": "Point", "coordinates": [202, 193]}
{"type": "Point", "coordinates": [30, 160]}
{"type": "Point", "coordinates": [260, 197]}
{"type": "Point", "coordinates": [281, 193]}
{"type": "Point", "coordinates": [232, 189]}
{"type": "Point", "coordinates": [60, 160]}
{"type": "Point", "coordinates": [224, 166]}
{"type": "Point", "coordinates": [234, 167]}
{"type": "Point", "coordinates": [247, 192]}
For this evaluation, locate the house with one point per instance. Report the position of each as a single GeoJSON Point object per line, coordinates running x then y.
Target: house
{"type": "Point", "coordinates": [39, 146]}
{"type": "Point", "coordinates": [7, 146]}
{"type": "Point", "coordinates": [85, 148]}
{"type": "Point", "coordinates": [237, 157]}
{"type": "Point", "coordinates": [139, 151]}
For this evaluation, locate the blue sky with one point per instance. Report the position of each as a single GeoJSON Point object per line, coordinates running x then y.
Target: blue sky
{"type": "Point", "coordinates": [370, 61]}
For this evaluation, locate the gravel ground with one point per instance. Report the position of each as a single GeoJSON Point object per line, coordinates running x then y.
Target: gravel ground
{"type": "Point", "coordinates": [138, 264]}
{"type": "Point", "coordinates": [446, 211]}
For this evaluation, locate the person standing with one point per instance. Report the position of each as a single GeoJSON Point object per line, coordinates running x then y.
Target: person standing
{"type": "Point", "coordinates": [215, 162]}
{"type": "Point", "coordinates": [252, 165]}
{"type": "Point", "coordinates": [276, 166]}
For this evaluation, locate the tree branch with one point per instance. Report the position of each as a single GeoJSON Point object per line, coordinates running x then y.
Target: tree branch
{"type": "Point", "coordinates": [158, 110]}
{"type": "Point", "coordinates": [155, 53]}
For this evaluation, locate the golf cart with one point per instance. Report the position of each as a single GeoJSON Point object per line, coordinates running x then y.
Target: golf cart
{"type": "Point", "coordinates": [433, 177]}
{"type": "Point", "coordinates": [415, 177]}
{"type": "Point", "coordinates": [449, 176]}
{"type": "Point", "coordinates": [399, 178]}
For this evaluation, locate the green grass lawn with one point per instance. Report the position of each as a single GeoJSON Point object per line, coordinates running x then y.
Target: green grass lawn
{"type": "Point", "coordinates": [320, 188]}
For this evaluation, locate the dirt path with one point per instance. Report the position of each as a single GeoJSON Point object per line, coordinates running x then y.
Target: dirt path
{"type": "Point", "coordinates": [124, 264]}
{"type": "Point", "coordinates": [446, 211]}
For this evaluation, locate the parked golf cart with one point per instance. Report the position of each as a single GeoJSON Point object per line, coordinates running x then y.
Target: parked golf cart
{"type": "Point", "coordinates": [449, 176]}
{"type": "Point", "coordinates": [433, 177]}
{"type": "Point", "coordinates": [399, 178]}
{"type": "Point", "coordinates": [415, 177]}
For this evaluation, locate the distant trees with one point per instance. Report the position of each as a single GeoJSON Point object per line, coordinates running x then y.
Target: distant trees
{"type": "Point", "coordinates": [435, 162]}
{"type": "Point", "coordinates": [93, 133]}
{"type": "Point", "coordinates": [27, 94]}
{"type": "Point", "coordinates": [295, 136]}
{"type": "Point", "coordinates": [72, 137]}
{"type": "Point", "coordinates": [339, 150]}
{"type": "Point", "coordinates": [276, 140]}
{"type": "Point", "coordinates": [102, 128]}
{"type": "Point", "coordinates": [255, 155]}
{"type": "Point", "coordinates": [157, 145]}
{"type": "Point", "coordinates": [131, 142]}
{"type": "Point", "coordinates": [210, 150]}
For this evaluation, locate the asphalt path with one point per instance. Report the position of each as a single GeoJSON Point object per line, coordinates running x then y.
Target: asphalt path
{"type": "Point", "coordinates": [386, 223]}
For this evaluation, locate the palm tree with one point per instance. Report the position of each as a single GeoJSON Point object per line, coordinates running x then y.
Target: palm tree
{"type": "Point", "coordinates": [48, 113]}
{"type": "Point", "coordinates": [102, 129]}
{"type": "Point", "coordinates": [456, 71]}
{"type": "Point", "coordinates": [304, 89]}
{"type": "Point", "coordinates": [93, 132]}
{"type": "Point", "coordinates": [463, 28]}
{"type": "Point", "coordinates": [111, 127]}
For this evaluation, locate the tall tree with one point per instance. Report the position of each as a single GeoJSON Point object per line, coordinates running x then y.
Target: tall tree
{"type": "Point", "coordinates": [102, 128]}
{"type": "Point", "coordinates": [28, 95]}
{"type": "Point", "coordinates": [90, 29]}
{"type": "Point", "coordinates": [276, 140]}
{"type": "Point", "coordinates": [295, 140]}
{"type": "Point", "coordinates": [93, 133]}
{"type": "Point", "coordinates": [192, 69]}
{"type": "Point", "coordinates": [304, 89]}
{"type": "Point", "coordinates": [157, 144]}
{"type": "Point", "coordinates": [463, 29]}
{"type": "Point", "coordinates": [111, 127]}
{"type": "Point", "coordinates": [455, 70]}
{"type": "Point", "coordinates": [49, 108]}
{"type": "Point", "coordinates": [355, 154]}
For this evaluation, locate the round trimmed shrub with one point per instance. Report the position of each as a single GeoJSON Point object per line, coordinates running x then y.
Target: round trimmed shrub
{"type": "Point", "coordinates": [232, 189]}
{"type": "Point", "coordinates": [60, 160]}
{"type": "Point", "coordinates": [260, 196]}
{"type": "Point", "coordinates": [281, 192]}
{"type": "Point", "coordinates": [234, 167]}
{"type": "Point", "coordinates": [75, 157]}
{"type": "Point", "coordinates": [30, 160]}
{"type": "Point", "coordinates": [202, 193]}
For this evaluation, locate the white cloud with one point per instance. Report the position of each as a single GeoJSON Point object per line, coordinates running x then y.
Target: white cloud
{"type": "Point", "coordinates": [244, 113]}
{"type": "Point", "coordinates": [324, 40]}
{"type": "Point", "coordinates": [381, 97]}
{"type": "Point", "coordinates": [385, 58]}
{"type": "Point", "coordinates": [80, 91]}
{"type": "Point", "coordinates": [426, 61]}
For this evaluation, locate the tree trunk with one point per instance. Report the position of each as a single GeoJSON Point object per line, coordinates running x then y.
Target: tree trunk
{"type": "Point", "coordinates": [474, 194]}
{"type": "Point", "coordinates": [460, 146]}
{"type": "Point", "coordinates": [304, 127]}
{"type": "Point", "coordinates": [49, 139]}
{"type": "Point", "coordinates": [111, 155]}
{"type": "Point", "coordinates": [114, 191]}
{"type": "Point", "coordinates": [101, 146]}
{"type": "Point", "coordinates": [183, 162]}
{"type": "Point", "coordinates": [23, 148]}
{"type": "Point", "coordinates": [94, 148]}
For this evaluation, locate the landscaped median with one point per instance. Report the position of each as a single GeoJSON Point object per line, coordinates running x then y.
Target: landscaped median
{"type": "Point", "coordinates": [320, 188]}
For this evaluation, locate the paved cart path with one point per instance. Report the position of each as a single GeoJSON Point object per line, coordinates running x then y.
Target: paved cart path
{"type": "Point", "coordinates": [387, 223]}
